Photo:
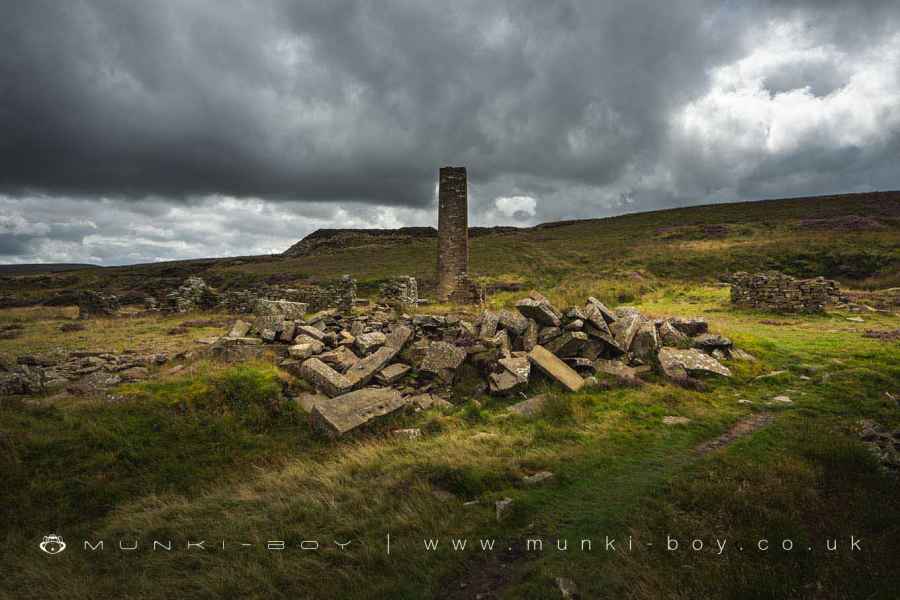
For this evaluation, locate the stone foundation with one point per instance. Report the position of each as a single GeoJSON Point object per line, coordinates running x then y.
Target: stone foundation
{"type": "Point", "coordinates": [779, 292]}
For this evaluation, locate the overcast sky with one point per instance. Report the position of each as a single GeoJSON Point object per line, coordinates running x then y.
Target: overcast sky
{"type": "Point", "coordinates": [151, 130]}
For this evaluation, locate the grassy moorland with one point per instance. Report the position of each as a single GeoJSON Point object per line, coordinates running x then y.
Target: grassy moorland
{"type": "Point", "coordinates": [217, 452]}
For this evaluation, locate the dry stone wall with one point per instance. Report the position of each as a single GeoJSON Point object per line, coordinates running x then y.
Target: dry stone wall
{"type": "Point", "coordinates": [779, 292]}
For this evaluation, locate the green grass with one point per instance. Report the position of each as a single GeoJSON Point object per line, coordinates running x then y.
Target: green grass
{"type": "Point", "coordinates": [217, 453]}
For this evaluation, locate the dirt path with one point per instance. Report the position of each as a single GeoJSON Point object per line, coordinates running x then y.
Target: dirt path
{"type": "Point", "coordinates": [740, 429]}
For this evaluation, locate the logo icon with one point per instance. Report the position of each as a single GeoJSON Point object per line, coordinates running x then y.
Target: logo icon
{"type": "Point", "coordinates": [53, 544]}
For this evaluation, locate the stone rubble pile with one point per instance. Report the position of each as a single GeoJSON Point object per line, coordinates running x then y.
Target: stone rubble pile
{"type": "Point", "coordinates": [78, 372]}
{"type": "Point", "coordinates": [779, 292]}
{"type": "Point", "coordinates": [420, 359]}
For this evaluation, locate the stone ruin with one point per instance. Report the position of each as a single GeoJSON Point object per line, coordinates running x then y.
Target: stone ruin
{"type": "Point", "coordinates": [782, 293]}
{"type": "Point", "coordinates": [192, 295]}
{"type": "Point", "coordinates": [454, 284]}
{"type": "Point", "coordinates": [365, 365]}
{"type": "Point", "coordinates": [400, 290]}
{"type": "Point", "coordinates": [97, 304]}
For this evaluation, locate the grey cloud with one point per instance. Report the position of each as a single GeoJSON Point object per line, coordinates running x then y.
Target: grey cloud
{"type": "Point", "coordinates": [146, 119]}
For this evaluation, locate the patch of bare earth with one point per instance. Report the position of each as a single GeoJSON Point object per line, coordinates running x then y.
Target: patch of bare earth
{"type": "Point", "coordinates": [740, 429]}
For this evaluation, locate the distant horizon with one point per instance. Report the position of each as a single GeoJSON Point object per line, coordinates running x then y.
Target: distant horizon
{"type": "Point", "coordinates": [434, 226]}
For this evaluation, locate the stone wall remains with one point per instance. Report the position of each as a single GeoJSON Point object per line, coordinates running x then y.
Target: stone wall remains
{"type": "Point", "coordinates": [779, 292]}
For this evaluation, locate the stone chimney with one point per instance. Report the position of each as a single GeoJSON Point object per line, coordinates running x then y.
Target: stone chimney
{"type": "Point", "coordinates": [453, 231]}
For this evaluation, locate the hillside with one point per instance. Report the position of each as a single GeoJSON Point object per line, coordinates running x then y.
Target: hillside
{"type": "Point", "coordinates": [854, 238]}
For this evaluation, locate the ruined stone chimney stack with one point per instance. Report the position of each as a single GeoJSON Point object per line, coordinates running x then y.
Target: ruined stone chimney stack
{"type": "Point", "coordinates": [453, 231]}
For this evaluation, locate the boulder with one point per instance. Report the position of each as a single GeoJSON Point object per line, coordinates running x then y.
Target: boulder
{"type": "Point", "coordinates": [548, 333]}
{"type": "Point", "coordinates": [324, 378]}
{"type": "Point", "coordinates": [280, 308]}
{"type": "Point", "coordinates": [341, 414]}
{"type": "Point", "coordinates": [288, 333]}
{"type": "Point", "coordinates": [678, 363]}
{"type": "Point", "coordinates": [368, 342]}
{"type": "Point", "coordinates": [555, 368]}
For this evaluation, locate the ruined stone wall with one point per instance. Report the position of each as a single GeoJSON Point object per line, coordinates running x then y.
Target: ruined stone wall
{"type": "Point", "coordinates": [403, 290]}
{"type": "Point", "coordinates": [340, 294]}
{"type": "Point", "coordinates": [453, 230]}
{"type": "Point", "coordinates": [779, 292]}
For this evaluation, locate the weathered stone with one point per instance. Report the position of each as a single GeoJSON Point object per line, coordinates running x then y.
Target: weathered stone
{"type": "Point", "coordinates": [624, 329]}
{"type": "Point", "coordinates": [512, 375]}
{"type": "Point", "coordinates": [504, 507]}
{"type": "Point", "coordinates": [288, 333]}
{"type": "Point", "coordinates": [426, 401]}
{"type": "Point", "coordinates": [779, 292]}
{"type": "Point", "coordinates": [645, 342]}
{"type": "Point", "coordinates": [616, 368]}
{"type": "Point", "coordinates": [670, 336]}
{"type": "Point", "coordinates": [364, 370]}
{"type": "Point", "coordinates": [368, 342]}
{"type": "Point", "coordinates": [398, 337]}
{"type": "Point", "coordinates": [567, 588]}
{"type": "Point", "coordinates": [512, 321]}
{"type": "Point", "coordinates": [341, 358]}
{"type": "Point", "coordinates": [608, 315]}
{"type": "Point", "coordinates": [489, 322]}
{"type": "Point", "coordinates": [568, 344]}
{"type": "Point", "coordinates": [677, 363]}
{"type": "Point", "coordinates": [392, 373]}
{"type": "Point", "coordinates": [530, 337]}
{"type": "Point", "coordinates": [541, 312]}
{"type": "Point", "coordinates": [341, 414]}
{"type": "Point", "coordinates": [529, 407]}
{"type": "Point", "coordinates": [308, 401]}
{"type": "Point", "coordinates": [710, 342]}
{"type": "Point", "coordinates": [409, 434]}
{"type": "Point", "coordinates": [689, 327]}
{"type": "Point", "coordinates": [547, 362]}
{"type": "Point", "coordinates": [237, 341]}
{"type": "Point", "coordinates": [239, 329]}
{"type": "Point", "coordinates": [134, 374]}
{"type": "Point", "coordinates": [539, 477]}
{"type": "Point", "coordinates": [280, 308]}
{"type": "Point", "coordinates": [673, 420]}
{"type": "Point", "coordinates": [580, 364]}
{"type": "Point", "coordinates": [324, 378]}
{"type": "Point", "coordinates": [306, 349]}
{"type": "Point", "coordinates": [442, 358]}
{"type": "Point", "coordinates": [313, 332]}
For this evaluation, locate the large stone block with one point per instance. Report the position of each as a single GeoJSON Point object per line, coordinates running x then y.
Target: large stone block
{"type": "Point", "coordinates": [363, 371]}
{"type": "Point", "coordinates": [677, 363]}
{"type": "Point", "coordinates": [324, 378]}
{"type": "Point", "coordinates": [341, 414]}
{"type": "Point", "coordinates": [555, 368]}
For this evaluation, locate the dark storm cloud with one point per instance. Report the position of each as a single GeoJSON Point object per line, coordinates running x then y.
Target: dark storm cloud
{"type": "Point", "coordinates": [207, 128]}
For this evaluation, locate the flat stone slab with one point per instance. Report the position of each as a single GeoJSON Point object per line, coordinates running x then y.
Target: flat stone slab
{"type": "Point", "coordinates": [308, 401]}
{"type": "Point", "coordinates": [392, 373]}
{"type": "Point", "coordinates": [239, 329]}
{"type": "Point", "coordinates": [363, 371]}
{"type": "Point", "coordinates": [540, 311]}
{"type": "Point", "coordinates": [341, 414]}
{"type": "Point", "coordinates": [547, 362]}
{"type": "Point", "coordinates": [677, 363]}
